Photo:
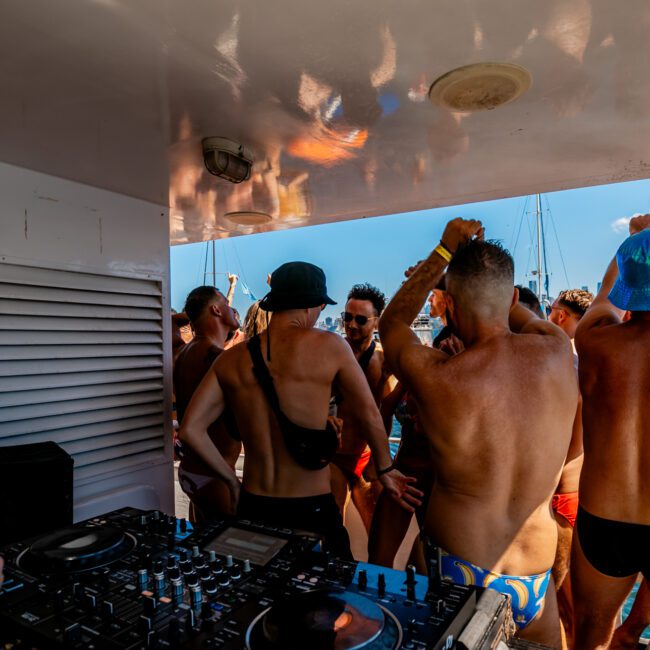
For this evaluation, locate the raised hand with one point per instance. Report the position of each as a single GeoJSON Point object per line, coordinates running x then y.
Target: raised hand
{"type": "Point", "coordinates": [402, 489]}
{"type": "Point", "coordinates": [460, 231]}
{"type": "Point", "coordinates": [639, 223]}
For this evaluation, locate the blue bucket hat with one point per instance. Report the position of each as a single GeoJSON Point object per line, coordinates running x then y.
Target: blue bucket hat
{"type": "Point", "coordinates": [632, 288]}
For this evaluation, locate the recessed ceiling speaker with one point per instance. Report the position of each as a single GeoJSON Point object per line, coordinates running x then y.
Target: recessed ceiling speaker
{"type": "Point", "coordinates": [480, 87]}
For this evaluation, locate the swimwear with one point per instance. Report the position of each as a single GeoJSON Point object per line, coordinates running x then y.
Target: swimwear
{"type": "Point", "coordinates": [527, 593]}
{"type": "Point", "coordinates": [566, 505]}
{"type": "Point", "coordinates": [352, 465]}
{"type": "Point", "coordinates": [318, 514]}
{"type": "Point", "coordinates": [615, 548]}
{"type": "Point", "coordinates": [310, 448]}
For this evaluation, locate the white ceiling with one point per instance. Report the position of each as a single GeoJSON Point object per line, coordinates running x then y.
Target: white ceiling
{"type": "Point", "coordinates": [330, 96]}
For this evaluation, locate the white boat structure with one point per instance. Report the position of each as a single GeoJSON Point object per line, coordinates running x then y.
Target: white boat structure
{"type": "Point", "coordinates": [103, 110]}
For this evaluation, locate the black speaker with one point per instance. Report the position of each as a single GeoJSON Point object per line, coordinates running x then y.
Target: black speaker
{"type": "Point", "coordinates": [35, 490]}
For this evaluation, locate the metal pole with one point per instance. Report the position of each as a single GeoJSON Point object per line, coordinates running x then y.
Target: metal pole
{"type": "Point", "coordinates": [214, 266]}
{"type": "Point", "coordinates": [539, 250]}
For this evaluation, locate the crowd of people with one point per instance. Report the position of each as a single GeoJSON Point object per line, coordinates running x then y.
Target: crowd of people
{"type": "Point", "coordinates": [493, 415]}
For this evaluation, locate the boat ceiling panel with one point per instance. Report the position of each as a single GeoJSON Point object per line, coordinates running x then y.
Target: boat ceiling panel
{"type": "Point", "coordinates": [330, 96]}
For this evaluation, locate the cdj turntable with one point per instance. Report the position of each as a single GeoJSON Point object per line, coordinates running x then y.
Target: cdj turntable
{"type": "Point", "coordinates": [144, 580]}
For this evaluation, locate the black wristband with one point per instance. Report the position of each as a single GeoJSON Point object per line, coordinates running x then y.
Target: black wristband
{"type": "Point", "coordinates": [381, 472]}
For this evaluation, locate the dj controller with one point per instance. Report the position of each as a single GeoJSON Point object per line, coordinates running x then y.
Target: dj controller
{"type": "Point", "coordinates": [144, 580]}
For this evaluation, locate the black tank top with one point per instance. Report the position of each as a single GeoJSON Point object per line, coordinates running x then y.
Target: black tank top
{"type": "Point", "coordinates": [310, 448]}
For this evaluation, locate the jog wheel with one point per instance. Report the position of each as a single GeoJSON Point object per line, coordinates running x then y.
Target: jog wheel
{"type": "Point", "coordinates": [71, 550]}
{"type": "Point", "coordinates": [324, 620]}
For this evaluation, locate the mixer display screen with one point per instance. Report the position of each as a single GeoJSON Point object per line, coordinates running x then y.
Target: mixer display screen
{"type": "Point", "coordinates": [260, 549]}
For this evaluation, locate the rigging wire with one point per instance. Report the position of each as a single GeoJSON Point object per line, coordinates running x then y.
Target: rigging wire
{"type": "Point", "coordinates": [205, 265]}
{"type": "Point", "coordinates": [241, 267]}
{"type": "Point", "coordinates": [521, 221]}
{"type": "Point", "coordinates": [557, 239]}
{"type": "Point", "coordinates": [546, 279]}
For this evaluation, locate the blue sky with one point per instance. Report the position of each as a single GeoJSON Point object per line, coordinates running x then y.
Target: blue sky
{"type": "Point", "coordinates": [590, 225]}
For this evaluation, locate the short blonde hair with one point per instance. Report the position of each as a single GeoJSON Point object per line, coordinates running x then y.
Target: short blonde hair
{"type": "Point", "coordinates": [577, 301]}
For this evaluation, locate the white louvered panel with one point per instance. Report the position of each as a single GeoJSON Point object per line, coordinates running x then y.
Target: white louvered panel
{"type": "Point", "coordinates": [27, 323]}
{"type": "Point", "coordinates": [118, 465]}
{"type": "Point", "coordinates": [21, 398]}
{"type": "Point", "coordinates": [49, 294]}
{"type": "Point", "coordinates": [81, 363]}
{"type": "Point", "coordinates": [26, 426]}
{"type": "Point", "coordinates": [37, 382]}
{"type": "Point", "coordinates": [89, 431]}
{"type": "Point", "coordinates": [14, 352]}
{"type": "Point", "coordinates": [46, 367]}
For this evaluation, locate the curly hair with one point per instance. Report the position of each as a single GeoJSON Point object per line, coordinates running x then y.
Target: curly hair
{"type": "Point", "coordinates": [577, 301]}
{"type": "Point", "coordinates": [368, 292]}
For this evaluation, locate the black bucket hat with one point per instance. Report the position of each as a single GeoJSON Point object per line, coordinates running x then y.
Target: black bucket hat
{"type": "Point", "coordinates": [296, 285]}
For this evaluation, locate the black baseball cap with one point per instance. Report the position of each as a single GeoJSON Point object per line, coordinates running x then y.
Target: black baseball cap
{"type": "Point", "coordinates": [296, 285]}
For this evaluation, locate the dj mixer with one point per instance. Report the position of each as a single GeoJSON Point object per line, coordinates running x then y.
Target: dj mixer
{"type": "Point", "coordinates": [144, 580]}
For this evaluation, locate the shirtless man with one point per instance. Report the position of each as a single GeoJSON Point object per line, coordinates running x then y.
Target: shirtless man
{"type": "Point", "coordinates": [496, 467]}
{"type": "Point", "coordinates": [566, 311]}
{"type": "Point", "coordinates": [212, 318]}
{"type": "Point", "coordinates": [362, 310]}
{"type": "Point", "coordinates": [612, 544]}
{"type": "Point", "coordinates": [281, 408]}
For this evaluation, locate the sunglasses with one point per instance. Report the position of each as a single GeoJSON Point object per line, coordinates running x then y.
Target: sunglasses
{"type": "Point", "coordinates": [360, 320]}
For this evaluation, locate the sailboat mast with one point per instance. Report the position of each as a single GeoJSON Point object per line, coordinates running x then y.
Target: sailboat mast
{"type": "Point", "coordinates": [214, 265]}
{"type": "Point", "coordinates": [539, 249]}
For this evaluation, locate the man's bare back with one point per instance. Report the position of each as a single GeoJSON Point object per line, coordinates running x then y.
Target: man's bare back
{"type": "Point", "coordinates": [615, 383]}
{"type": "Point", "coordinates": [499, 417]}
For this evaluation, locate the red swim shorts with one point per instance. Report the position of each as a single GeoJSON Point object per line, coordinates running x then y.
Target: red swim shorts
{"type": "Point", "coordinates": [566, 505]}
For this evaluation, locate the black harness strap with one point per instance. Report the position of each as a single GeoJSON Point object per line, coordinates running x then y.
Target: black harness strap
{"type": "Point", "coordinates": [310, 448]}
{"type": "Point", "coordinates": [364, 359]}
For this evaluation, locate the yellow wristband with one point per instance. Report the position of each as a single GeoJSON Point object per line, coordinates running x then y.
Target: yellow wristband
{"type": "Point", "coordinates": [443, 252]}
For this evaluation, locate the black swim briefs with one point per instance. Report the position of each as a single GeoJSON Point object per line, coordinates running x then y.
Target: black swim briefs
{"type": "Point", "coordinates": [615, 548]}
{"type": "Point", "coordinates": [318, 514]}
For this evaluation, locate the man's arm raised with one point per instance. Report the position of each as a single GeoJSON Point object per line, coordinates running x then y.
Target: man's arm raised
{"type": "Point", "coordinates": [206, 405]}
{"type": "Point", "coordinates": [602, 312]}
{"type": "Point", "coordinates": [397, 337]}
{"type": "Point", "coordinates": [354, 389]}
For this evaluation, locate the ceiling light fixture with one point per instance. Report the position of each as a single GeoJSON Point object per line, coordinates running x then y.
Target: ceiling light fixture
{"type": "Point", "coordinates": [480, 86]}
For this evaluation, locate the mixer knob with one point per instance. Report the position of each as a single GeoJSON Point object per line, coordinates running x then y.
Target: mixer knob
{"type": "Point", "coordinates": [211, 586]}
{"type": "Point", "coordinates": [196, 551]}
{"type": "Point", "coordinates": [212, 557]}
{"type": "Point", "coordinates": [174, 574]}
{"type": "Point", "coordinates": [172, 563]}
{"type": "Point", "coordinates": [143, 579]}
{"type": "Point", "coordinates": [363, 580]}
{"type": "Point", "coordinates": [157, 567]}
{"type": "Point", "coordinates": [235, 573]}
{"type": "Point", "coordinates": [196, 596]}
{"type": "Point", "coordinates": [186, 567]}
{"type": "Point", "coordinates": [224, 579]}
{"type": "Point", "coordinates": [177, 592]}
{"type": "Point", "coordinates": [205, 573]}
{"type": "Point", "coordinates": [381, 585]}
{"type": "Point", "coordinates": [229, 561]}
{"type": "Point", "coordinates": [156, 515]}
{"type": "Point", "coordinates": [192, 579]}
{"type": "Point", "coordinates": [143, 520]}
{"type": "Point", "coordinates": [199, 562]}
{"type": "Point", "coordinates": [247, 566]}
{"type": "Point", "coordinates": [183, 525]}
{"type": "Point", "coordinates": [160, 586]}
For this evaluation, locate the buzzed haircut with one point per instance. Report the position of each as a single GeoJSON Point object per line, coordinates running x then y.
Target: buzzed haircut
{"type": "Point", "coordinates": [530, 300]}
{"type": "Point", "coordinates": [197, 300]}
{"type": "Point", "coordinates": [368, 292]}
{"type": "Point", "coordinates": [482, 260]}
{"type": "Point", "coordinates": [576, 301]}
